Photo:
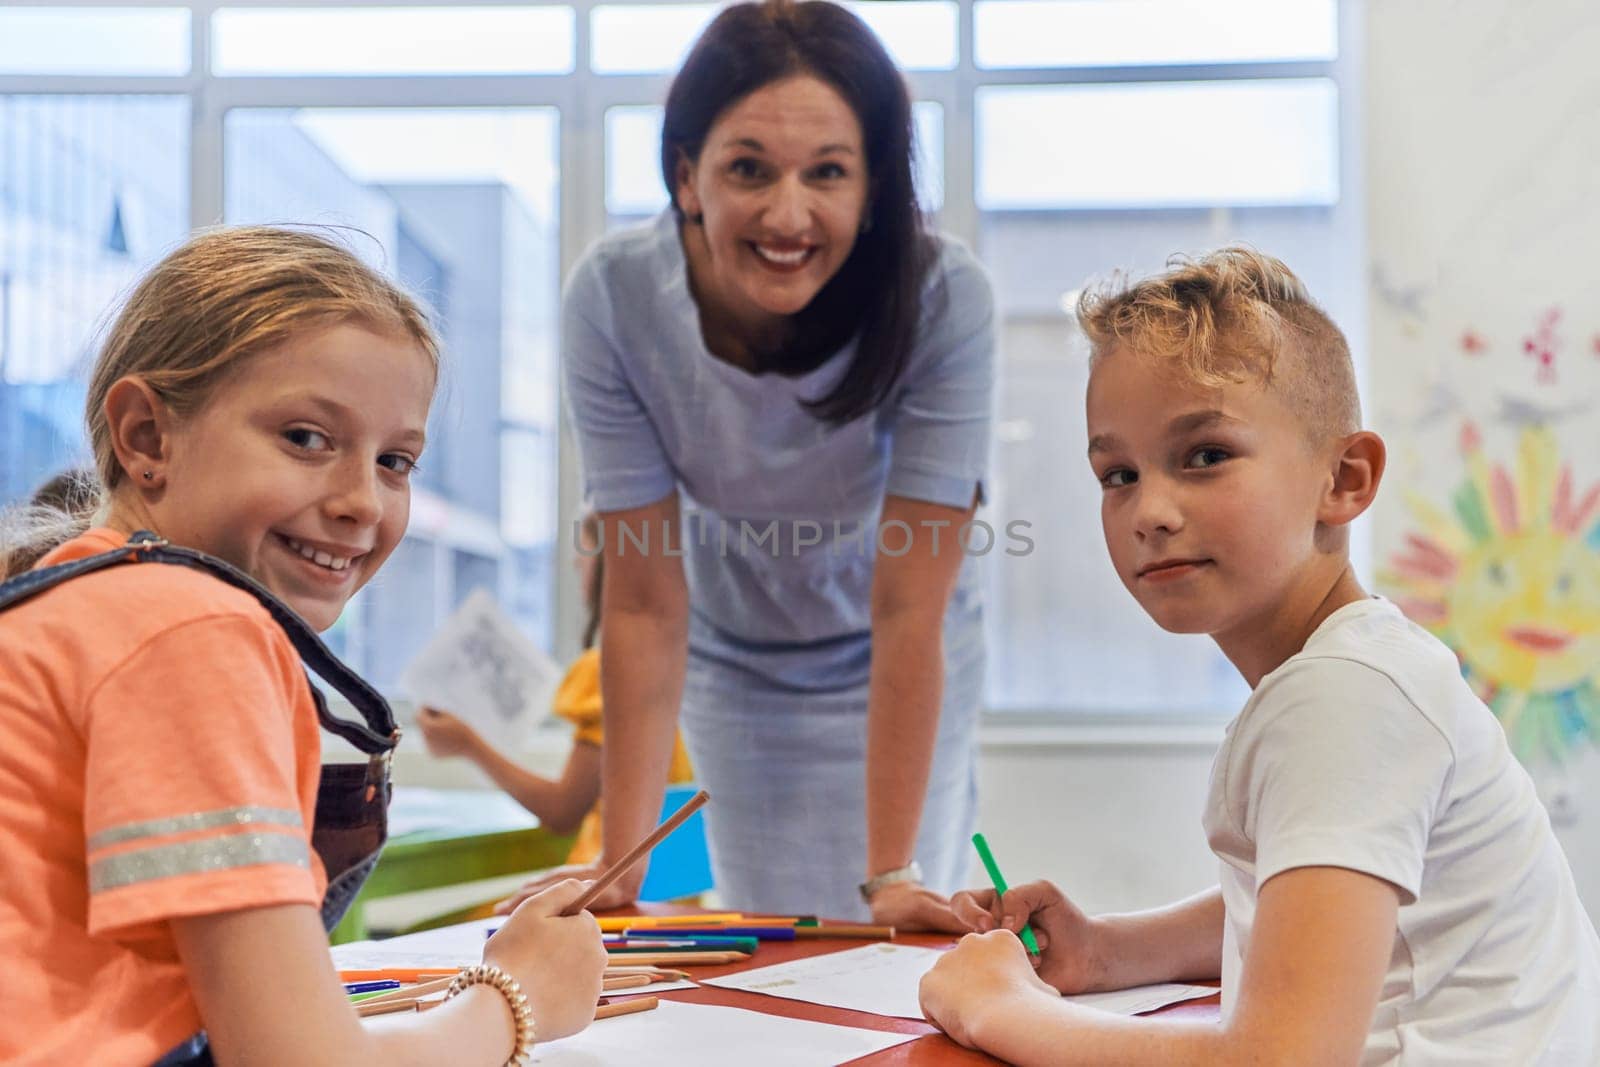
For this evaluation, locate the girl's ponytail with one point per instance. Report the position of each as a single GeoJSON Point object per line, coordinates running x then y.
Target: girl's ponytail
{"type": "Point", "coordinates": [60, 510]}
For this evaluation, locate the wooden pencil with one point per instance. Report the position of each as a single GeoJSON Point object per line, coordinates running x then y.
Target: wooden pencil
{"type": "Point", "coordinates": [658, 974]}
{"type": "Point", "coordinates": [844, 930]}
{"type": "Point", "coordinates": [385, 1007]}
{"type": "Point", "coordinates": [684, 959]}
{"type": "Point", "coordinates": [625, 1007]}
{"type": "Point", "coordinates": [627, 981]}
{"type": "Point", "coordinates": [638, 852]}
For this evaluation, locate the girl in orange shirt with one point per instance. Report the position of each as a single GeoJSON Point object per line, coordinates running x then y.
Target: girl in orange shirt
{"type": "Point", "coordinates": [177, 851]}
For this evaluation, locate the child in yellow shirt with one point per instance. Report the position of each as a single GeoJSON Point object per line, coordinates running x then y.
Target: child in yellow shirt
{"type": "Point", "coordinates": [573, 800]}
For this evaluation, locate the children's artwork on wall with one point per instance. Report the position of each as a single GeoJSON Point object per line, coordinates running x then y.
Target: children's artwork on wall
{"type": "Point", "coordinates": [1509, 577]}
{"type": "Point", "coordinates": [1497, 549]}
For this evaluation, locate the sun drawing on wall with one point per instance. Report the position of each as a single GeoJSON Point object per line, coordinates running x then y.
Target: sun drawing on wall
{"type": "Point", "coordinates": [1510, 579]}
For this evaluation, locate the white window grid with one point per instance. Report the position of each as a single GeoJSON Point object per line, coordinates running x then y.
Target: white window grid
{"type": "Point", "coordinates": [581, 99]}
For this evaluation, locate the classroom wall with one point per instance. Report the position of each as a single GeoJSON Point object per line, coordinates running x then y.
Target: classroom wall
{"type": "Point", "coordinates": [1482, 151]}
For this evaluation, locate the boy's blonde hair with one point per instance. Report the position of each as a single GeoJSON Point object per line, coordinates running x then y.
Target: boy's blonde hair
{"type": "Point", "coordinates": [1232, 316]}
{"type": "Point", "coordinates": [222, 297]}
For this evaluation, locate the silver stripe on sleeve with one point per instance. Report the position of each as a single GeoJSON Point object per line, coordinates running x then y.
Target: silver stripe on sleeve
{"type": "Point", "coordinates": [197, 820]}
{"type": "Point", "coordinates": [195, 857]}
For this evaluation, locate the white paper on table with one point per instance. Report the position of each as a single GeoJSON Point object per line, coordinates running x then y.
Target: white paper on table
{"type": "Point", "coordinates": [705, 1035]}
{"type": "Point", "coordinates": [448, 947]}
{"type": "Point", "coordinates": [481, 668]}
{"type": "Point", "coordinates": [881, 978]}
{"type": "Point", "coordinates": [1140, 999]}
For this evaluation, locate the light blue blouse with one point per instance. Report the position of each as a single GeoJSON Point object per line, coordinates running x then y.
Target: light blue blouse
{"type": "Point", "coordinates": [655, 411]}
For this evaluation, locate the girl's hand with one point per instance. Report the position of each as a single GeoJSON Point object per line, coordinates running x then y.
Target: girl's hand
{"type": "Point", "coordinates": [560, 961]}
{"type": "Point", "coordinates": [983, 972]}
{"type": "Point", "coordinates": [445, 734]}
{"type": "Point", "coordinates": [909, 906]}
{"type": "Point", "coordinates": [1069, 957]}
{"type": "Point", "coordinates": [618, 894]}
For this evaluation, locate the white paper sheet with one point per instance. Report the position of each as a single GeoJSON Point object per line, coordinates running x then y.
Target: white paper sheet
{"type": "Point", "coordinates": [883, 979]}
{"type": "Point", "coordinates": [480, 667]}
{"type": "Point", "coordinates": [704, 1035]}
{"type": "Point", "coordinates": [1140, 999]}
{"type": "Point", "coordinates": [449, 946]}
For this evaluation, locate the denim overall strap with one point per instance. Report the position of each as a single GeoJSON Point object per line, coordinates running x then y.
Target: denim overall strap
{"type": "Point", "coordinates": [375, 736]}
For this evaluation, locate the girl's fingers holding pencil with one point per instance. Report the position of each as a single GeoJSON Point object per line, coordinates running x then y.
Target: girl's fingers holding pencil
{"type": "Point", "coordinates": [553, 898]}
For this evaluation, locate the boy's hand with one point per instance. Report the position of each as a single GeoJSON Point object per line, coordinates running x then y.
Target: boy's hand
{"type": "Point", "coordinates": [560, 961]}
{"type": "Point", "coordinates": [445, 734]}
{"type": "Point", "coordinates": [909, 906]}
{"type": "Point", "coordinates": [1069, 957]}
{"type": "Point", "coordinates": [982, 972]}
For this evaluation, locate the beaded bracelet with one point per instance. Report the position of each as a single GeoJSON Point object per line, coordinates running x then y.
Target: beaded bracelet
{"type": "Point", "coordinates": [511, 989]}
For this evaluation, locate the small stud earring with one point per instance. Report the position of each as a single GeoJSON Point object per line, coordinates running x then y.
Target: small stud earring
{"type": "Point", "coordinates": [149, 476]}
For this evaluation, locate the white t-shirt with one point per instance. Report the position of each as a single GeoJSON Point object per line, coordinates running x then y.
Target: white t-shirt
{"type": "Point", "coordinates": [1368, 751]}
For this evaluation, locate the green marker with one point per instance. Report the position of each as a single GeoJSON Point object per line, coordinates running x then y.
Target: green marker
{"type": "Point", "coordinates": [999, 881]}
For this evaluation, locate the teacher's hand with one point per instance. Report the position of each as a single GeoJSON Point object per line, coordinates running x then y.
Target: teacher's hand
{"type": "Point", "coordinates": [908, 906]}
{"type": "Point", "coordinates": [618, 894]}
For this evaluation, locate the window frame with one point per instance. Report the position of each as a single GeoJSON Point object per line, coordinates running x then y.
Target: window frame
{"type": "Point", "coordinates": [581, 100]}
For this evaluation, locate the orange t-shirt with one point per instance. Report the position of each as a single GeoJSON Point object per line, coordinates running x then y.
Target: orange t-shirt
{"type": "Point", "coordinates": [159, 757]}
{"type": "Point", "coordinates": [577, 700]}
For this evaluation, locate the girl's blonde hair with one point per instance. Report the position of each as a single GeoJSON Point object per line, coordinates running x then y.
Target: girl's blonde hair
{"type": "Point", "coordinates": [222, 297]}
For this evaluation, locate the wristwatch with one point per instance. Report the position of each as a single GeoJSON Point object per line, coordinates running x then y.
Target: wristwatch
{"type": "Point", "coordinates": [911, 872]}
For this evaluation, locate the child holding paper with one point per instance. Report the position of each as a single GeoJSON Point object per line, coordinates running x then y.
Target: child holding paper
{"type": "Point", "coordinates": [175, 852]}
{"type": "Point", "coordinates": [573, 800]}
{"type": "Point", "coordinates": [1391, 890]}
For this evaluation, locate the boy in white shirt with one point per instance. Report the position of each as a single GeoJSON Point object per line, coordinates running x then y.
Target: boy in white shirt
{"type": "Point", "coordinates": [1391, 891]}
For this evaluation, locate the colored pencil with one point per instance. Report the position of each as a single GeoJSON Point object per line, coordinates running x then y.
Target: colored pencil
{"type": "Point", "coordinates": [844, 930]}
{"type": "Point", "coordinates": [372, 987]}
{"type": "Point", "coordinates": [613, 924]}
{"type": "Point", "coordinates": [760, 933]}
{"type": "Point", "coordinates": [611, 1010]}
{"type": "Point", "coordinates": [638, 852]}
{"type": "Point", "coordinates": [386, 1007]}
{"type": "Point", "coordinates": [656, 974]}
{"type": "Point", "coordinates": [399, 974]}
{"type": "Point", "coordinates": [681, 959]}
{"type": "Point", "coordinates": [629, 981]}
{"type": "Point", "coordinates": [712, 944]}
{"type": "Point", "coordinates": [982, 845]}
{"type": "Point", "coordinates": [438, 985]}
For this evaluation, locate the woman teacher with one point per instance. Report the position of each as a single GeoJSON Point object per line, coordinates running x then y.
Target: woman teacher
{"type": "Point", "coordinates": [792, 374]}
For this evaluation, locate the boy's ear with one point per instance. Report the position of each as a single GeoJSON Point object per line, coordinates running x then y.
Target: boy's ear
{"type": "Point", "coordinates": [140, 426]}
{"type": "Point", "coordinates": [1358, 469]}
